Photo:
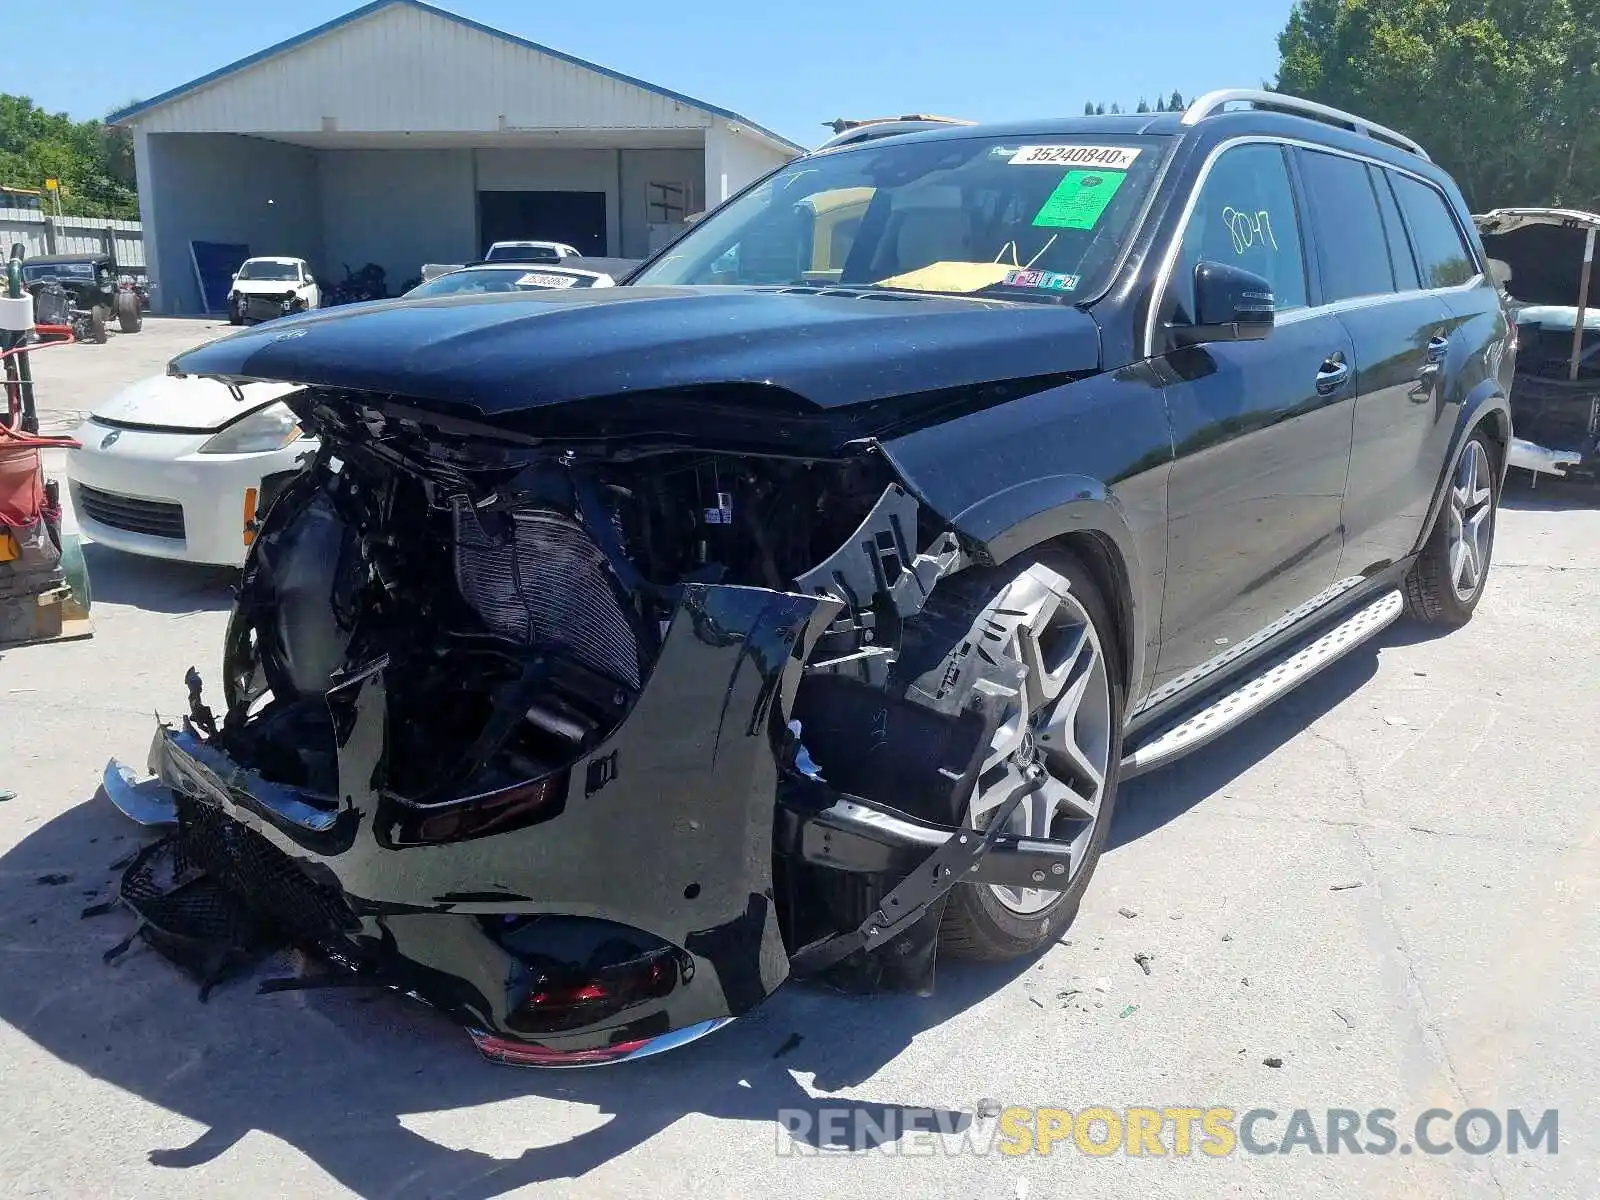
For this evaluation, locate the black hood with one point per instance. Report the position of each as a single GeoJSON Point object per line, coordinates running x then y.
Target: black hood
{"type": "Point", "coordinates": [507, 353]}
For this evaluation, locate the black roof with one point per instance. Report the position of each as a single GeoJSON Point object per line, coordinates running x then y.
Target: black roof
{"type": "Point", "coordinates": [1211, 129]}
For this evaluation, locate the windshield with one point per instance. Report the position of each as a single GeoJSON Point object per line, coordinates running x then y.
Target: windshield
{"type": "Point", "coordinates": [528, 252]}
{"type": "Point", "coordinates": [1028, 218]}
{"type": "Point", "coordinates": [512, 279]}
{"type": "Point", "coordinates": [274, 271]}
{"type": "Point", "coordinates": [60, 270]}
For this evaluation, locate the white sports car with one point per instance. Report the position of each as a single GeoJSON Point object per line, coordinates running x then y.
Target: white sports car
{"type": "Point", "coordinates": [184, 467]}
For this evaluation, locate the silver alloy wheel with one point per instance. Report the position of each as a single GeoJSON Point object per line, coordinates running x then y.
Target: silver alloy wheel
{"type": "Point", "coordinates": [1471, 521]}
{"type": "Point", "coordinates": [1060, 718]}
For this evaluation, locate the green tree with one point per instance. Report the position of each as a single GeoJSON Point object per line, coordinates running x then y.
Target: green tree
{"type": "Point", "coordinates": [1502, 95]}
{"type": "Point", "coordinates": [92, 161]}
{"type": "Point", "coordinates": [1175, 104]}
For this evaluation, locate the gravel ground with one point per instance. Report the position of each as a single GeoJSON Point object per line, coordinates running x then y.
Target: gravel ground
{"type": "Point", "coordinates": [1389, 884]}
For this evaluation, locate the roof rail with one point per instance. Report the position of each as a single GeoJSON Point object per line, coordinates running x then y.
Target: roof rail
{"type": "Point", "coordinates": [1214, 102]}
{"type": "Point", "coordinates": [848, 133]}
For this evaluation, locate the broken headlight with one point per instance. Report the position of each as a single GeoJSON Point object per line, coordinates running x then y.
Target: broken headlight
{"type": "Point", "coordinates": [271, 428]}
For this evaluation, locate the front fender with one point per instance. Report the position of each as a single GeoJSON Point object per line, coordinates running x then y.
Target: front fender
{"type": "Point", "coordinates": [1090, 458]}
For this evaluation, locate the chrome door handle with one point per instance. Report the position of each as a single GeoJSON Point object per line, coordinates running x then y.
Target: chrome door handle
{"type": "Point", "coordinates": [1332, 375]}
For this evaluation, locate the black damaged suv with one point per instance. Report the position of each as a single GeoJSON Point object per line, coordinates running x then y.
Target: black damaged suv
{"type": "Point", "coordinates": [797, 607]}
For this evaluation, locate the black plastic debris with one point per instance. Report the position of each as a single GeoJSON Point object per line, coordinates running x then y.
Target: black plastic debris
{"type": "Point", "coordinates": [189, 918]}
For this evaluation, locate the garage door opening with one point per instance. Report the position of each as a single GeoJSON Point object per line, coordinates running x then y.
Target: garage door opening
{"type": "Point", "coordinates": [576, 218]}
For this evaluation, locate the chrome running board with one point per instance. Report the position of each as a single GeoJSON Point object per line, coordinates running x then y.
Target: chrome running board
{"type": "Point", "coordinates": [1255, 693]}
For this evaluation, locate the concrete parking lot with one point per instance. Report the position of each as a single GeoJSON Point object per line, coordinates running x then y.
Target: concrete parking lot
{"type": "Point", "coordinates": [1389, 886]}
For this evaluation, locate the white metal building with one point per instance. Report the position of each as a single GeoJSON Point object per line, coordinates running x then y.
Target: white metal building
{"type": "Point", "coordinates": [402, 134]}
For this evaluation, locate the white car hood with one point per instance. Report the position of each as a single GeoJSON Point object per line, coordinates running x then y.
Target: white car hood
{"type": "Point", "coordinates": [188, 403]}
{"type": "Point", "coordinates": [265, 287]}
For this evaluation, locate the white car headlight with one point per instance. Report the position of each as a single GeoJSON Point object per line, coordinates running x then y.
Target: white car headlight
{"type": "Point", "coordinates": [273, 428]}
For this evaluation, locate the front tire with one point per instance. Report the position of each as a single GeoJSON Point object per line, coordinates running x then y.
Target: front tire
{"type": "Point", "coordinates": [1447, 580]}
{"type": "Point", "coordinates": [1047, 615]}
{"type": "Point", "coordinates": [98, 332]}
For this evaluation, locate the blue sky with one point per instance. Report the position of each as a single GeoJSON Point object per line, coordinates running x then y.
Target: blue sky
{"type": "Point", "coordinates": [790, 68]}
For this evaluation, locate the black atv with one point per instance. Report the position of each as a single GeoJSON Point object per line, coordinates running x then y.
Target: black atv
{"type": "Point", "coordinates": [84, 291]}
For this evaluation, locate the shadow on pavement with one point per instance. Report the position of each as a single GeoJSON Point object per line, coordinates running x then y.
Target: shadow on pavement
{"type": "Point", "coordinates": [337, 1073]}
{"type": "Point", "coordinates": [156, 584]}
{"type": "Point", "coordinates": [1147, 802]}
{"type": "Point", "coordinates": [1550, 495]}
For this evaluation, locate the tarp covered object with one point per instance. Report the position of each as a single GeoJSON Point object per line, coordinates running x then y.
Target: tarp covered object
{"type": "Point", "coordinates": [21, 486]}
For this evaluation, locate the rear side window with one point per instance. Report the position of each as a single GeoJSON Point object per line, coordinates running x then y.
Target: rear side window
{"type": "Point", "coordinates": [1442, 252]}
{"type": "Point", "coordinates": [1347, 229]}
{"type": "Point", "coordinates": [1405, 264]}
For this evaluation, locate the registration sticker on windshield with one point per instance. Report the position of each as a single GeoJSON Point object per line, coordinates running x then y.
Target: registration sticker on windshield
{"type": "Point", "coordinates": [1050, 281]}
{"type": "Point", "coordinates": [1110, 158]}
{"type": "Point", "coordinates": [1079, 200]}
{"type": "Point", "coordinates": [540, 279]}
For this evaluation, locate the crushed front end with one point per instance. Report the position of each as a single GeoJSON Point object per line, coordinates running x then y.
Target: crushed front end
{"type": "Point", "coordinates": [590, 742]}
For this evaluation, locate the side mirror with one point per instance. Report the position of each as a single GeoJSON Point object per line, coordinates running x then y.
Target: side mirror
{"type": "Point", "coordinates": [235, 276]}
{"type": "Point", "coordinates": [1230, 305]}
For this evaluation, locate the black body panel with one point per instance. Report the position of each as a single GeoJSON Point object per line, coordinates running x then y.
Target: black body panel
{"type": "Point", "coordinates": [667, 828]}
{"type": "Point", "coordinates": [1257, 487]}
{"type": "Point", "coordinates": [504, 354]}
{"type": "Point", "coordinates": [1400, 352]}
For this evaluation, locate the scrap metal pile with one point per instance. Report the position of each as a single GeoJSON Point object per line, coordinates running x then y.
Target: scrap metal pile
{"type": "Point", "coordinates": [38, 599]}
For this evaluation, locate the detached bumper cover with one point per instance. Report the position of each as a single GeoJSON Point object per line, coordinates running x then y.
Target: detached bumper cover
{"type": "Point", "coordinates": [665, 828]}
{"type": "Point", "coordinates": [670, 827]}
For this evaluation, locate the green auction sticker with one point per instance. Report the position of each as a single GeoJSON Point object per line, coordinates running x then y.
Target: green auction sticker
{"type": "Point", "coordinates": [1079, 199]}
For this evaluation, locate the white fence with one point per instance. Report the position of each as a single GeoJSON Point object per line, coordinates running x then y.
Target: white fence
{"type": "Point", "coordinates": [41, 233]}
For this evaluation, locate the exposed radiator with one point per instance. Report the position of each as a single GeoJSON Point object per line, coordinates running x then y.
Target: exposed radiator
{"type": "Point", "coordinates": [534, 576]}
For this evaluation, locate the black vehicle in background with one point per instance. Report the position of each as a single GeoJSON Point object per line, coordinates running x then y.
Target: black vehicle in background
{"type": "Point", "coordinates": [797, 608]}
{"type": "Point", "coordinates": [85, 292]}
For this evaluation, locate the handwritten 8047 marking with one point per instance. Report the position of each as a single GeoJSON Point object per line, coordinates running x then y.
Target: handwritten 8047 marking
{"type": "Point", "coordinates": [1249, 229]}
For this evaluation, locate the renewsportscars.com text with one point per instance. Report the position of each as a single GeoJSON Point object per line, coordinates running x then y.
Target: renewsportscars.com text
{"type": "Point", "coordinates": [1213, 1132]}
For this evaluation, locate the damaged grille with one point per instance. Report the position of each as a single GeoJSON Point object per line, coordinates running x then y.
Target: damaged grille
{"type": "Point", "coordinates": [539, 579]}
{"type": "Point", "coordinates": [218, 881]}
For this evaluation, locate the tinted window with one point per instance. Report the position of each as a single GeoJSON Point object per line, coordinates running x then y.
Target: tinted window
{"type": "Point", "coordinates": [1442, 253]}
{"type": "Point", "coordinates": [532, 254]}
{"type": "Point", "coordinates": [263, 269]}
{"type": "Point", "coordinates": [1245, 216]}
{"type": "Point", "coordinates": [1351, 247]}
{"type": "Point", "coordinates": [1405, 264]}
